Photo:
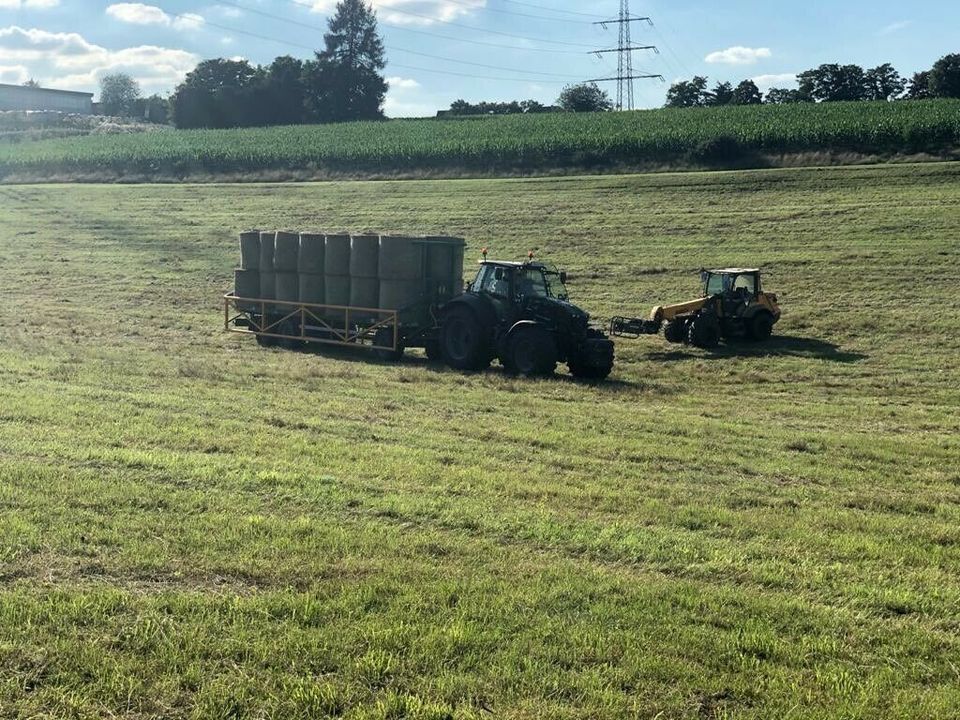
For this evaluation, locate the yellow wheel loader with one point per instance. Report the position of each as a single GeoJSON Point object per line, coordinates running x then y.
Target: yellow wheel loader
{"type": "Point", "coordinates": [732, 306]}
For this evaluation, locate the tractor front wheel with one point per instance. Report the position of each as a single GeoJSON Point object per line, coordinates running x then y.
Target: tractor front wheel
{"type": "Point", "coordinates": [531, 351]}
{"type": "Point", "coordinates": [704, 332]}
{"type": "Point", "coordinates": [462, 341]}
{"type": "Point", "coordinates": [761, 327]}
{"type": "Point", "coordinates": [675, 331]}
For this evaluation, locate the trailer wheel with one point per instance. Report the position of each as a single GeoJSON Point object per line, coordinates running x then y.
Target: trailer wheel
{"type": "Point", "coordinates": [760, 327]}
{"type": "Point", "coordinates": [531, 351]}
{"type": "Point", "coordinates": [384, 342]}
{"type": "Point", "coordinates": [675, 331]}
{"type": "Point", "coordinates": [265, 341]}
{"type": "Point", "coordinates": [462, 341]}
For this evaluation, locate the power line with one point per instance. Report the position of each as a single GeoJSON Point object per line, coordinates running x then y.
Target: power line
{"type": "Point", "coordinates": [394, 48]}
{"type": "Point", "coordinates": [556, 10]}
{"type": "Point", "coordinates": [515, 14]}
{"type": "Point", "coordinates": [391, 64]}
{"type": "Point", "coordinates": [468, 27]}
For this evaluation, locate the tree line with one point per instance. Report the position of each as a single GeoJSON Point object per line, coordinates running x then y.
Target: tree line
{"type": "Point", "coordinates": [828, 83]}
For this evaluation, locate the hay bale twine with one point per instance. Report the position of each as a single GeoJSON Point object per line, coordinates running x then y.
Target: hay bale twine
{"type": "Point", "coordinates": [364, 292]}
{"type": "Point", "coordinates": [364, 256]}
{"type": "Point", "coordinates": [336, 289]}
{"type": "Point", "coordinates": [401, 258]}
{"type": "Point", "coordinates": [337, 255]}
{"type": "Point", "coordinates": [312, 251]}
{"type": "Point", "coordinates": [268, 285]}
{"type": "Point", "coordinates": [312, 289]}
{"type": "Point", "coordinates": [286, 252]}
{"type": "Point", "coordinates": [288, 288]}
{"type": "Point", "coordinates": [246, 284]}
{"type": "Point", "coordinates": [250, 250]}
{"type": "Point", "coordinates": [267, 244]}
{"type": "Point", "coordinates": [400, 294]}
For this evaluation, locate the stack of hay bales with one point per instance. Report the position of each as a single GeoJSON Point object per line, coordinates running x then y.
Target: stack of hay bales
{"type": "Point", "coordinates": [286, 256]}
{"type": "Point", "coordinates": [268, 277]}
{"type": "Point", "coordinates": [310, 265]}
{"type": "Point", "coordinates": [336, 270]}
{"type": "Point", "coordinates": [246, 279]}
{"type": "Point", "coordinates": [364, 264]}
{"type": "Point", "coordinates": [400, 271]}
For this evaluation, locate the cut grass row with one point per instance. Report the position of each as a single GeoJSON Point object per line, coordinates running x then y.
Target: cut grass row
{"type": "Point", "coordinates": [531, 144]}
{"type": "Point", "coordinates": [192, 526]}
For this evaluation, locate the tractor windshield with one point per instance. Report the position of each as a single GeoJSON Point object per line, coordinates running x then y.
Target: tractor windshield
{"type": "Point", "coordinates": [541, 282]}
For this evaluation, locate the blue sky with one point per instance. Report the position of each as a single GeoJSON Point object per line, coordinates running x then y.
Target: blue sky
{"type": "Point", "coordinates": [441, 50]}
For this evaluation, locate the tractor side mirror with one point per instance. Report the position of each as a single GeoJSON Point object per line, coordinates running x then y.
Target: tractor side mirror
{"type": "Point", "coordinates": [563, 276]}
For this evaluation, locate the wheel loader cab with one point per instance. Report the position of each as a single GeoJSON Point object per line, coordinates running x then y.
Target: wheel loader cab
{"type": "Point", "coordinates": [743, 283]}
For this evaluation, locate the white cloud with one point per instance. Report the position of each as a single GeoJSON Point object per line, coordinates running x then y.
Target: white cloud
{"type": "Point", "coordinates": [69, 61]}
{"type": "Point", "coordinates": [779, 80]}
{"type": "Point", "coordinates": [29, 4]}
{"type": "Point", "coordinates": [895, 27]}
{"type": "Point", "coordinates": [140, 14]}
{"type": "Point", "coordinates": [739, 55]}
{"type": "Point", "coordinates": [412, 12]}
{"type": "Point", "coordinates": [13, 74]}
{"type": "Point", "coordinates": [402, 83]}
{"type": "Point", "coordinates": [228, 12]}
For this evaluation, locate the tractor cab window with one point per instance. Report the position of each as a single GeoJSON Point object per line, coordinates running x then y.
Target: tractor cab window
{"type": "Point", "coordinates": [495, 281]}
{"type": "Point", "coordinates": [714, 285]}
{"type": "Point", "coordinates": [532, 283]}
{"type": "Point", "coordinates": [745, 285]}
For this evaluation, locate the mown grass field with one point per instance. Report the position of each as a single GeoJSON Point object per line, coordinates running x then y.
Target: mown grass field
{"type": "Point", "coordinates": [521, 144]}
{"type": "Point", "coordinates": [192, 526]}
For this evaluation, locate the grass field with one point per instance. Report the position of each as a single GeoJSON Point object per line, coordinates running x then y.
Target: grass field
{"type": "Point", "coordinates": [522, 144]}
{"type": "Point", "coordinates": [191, 526]}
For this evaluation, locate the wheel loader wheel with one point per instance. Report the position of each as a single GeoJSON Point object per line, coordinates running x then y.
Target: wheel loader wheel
{"type": "Point", "coordinates": [675, 331]}
{"type": "Point", "coordinates": [531, 351]}
{"type": "Point", "coordinates": [462, 341]}
{"type": "Point", "coordinates": [704, 332]}
{"type": "Point", "coordinates": [760, 327]}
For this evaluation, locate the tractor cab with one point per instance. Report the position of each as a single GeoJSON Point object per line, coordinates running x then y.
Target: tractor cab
{"type": "Point", "coordinates": [731, 281]}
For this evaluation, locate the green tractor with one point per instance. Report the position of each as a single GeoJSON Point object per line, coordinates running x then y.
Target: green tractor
{"type": "Point", "coordinates": [520, 313]}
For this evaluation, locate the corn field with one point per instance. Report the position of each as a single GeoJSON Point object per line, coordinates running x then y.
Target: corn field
{"type": "Point", "coordinates": [524, 143]}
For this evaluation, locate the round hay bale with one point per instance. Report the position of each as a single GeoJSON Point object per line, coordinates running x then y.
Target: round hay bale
{"type": "Point", "coordinates": [312, 289]}
{"type": "Point", "coordinates": [364, 256]}
{"type": "Point", "coordinates": [337, 255]}
{"type": "Point", "coordinates": [268, 285]}
{"type": "Point", "coordinates": [336, 289]}
{"type": "Point", "coordinates": [401, 258]}
{"type": "Point", "coordinates": [364, 292]}
{"type": "Point", "coordinates": [286, 253]}
{"type": "Point", "coordinates": [288, 287]}
{"type": "Point", "coordinates": [246, 284]}
{"type": "Point", "coordinates": [312, 251]}
{"type": "Point", "coordinates": [267, 243]}
{"type": "Point", "coordinates": [250, 250]}
{"type": "Point", "coordinates": [400, 294]}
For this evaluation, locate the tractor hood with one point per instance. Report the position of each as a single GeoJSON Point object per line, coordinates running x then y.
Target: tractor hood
{"type": "Point", "coordinates": [552, 307]}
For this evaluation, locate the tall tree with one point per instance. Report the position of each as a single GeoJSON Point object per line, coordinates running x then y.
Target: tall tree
{"type": "Point", "coordinates": [722, 94]}
{"type": "Point", "coordinates": [688, 93]}
{"type": "Point", "coordinates": [919, 88]}
{"type": "Point", "coordinates": [118, 94]}
{"type": "Point", "coordinates": [783, 96]}
{"type": "Point", "coordinates": [584, 97]}
{"type": "Point", "coordinates": [215, 94]}
{"type": "Point", "coordinates": [747, 93]}
{"type": "Point", "coordinates": [345, 82]}
{"type": "Point", "coordinates": [884, 83]}
{"type": "Point", "coordinates": [945, 77]}
{"type": "Point", "coordinates": [833, 82]}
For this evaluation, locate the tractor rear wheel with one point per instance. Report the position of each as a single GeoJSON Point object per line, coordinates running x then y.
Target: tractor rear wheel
{"type": "Point", "coordinates": [462, 341]}
{"type": "Point", "coordinates": [704, 331]}
{"type": "Point", "coordinates": [531, 351]}
{"type": "Point", "coordinates": [675, 331]}
{"type": "Point", "coordinates": [760, 327]}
